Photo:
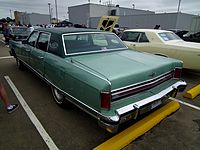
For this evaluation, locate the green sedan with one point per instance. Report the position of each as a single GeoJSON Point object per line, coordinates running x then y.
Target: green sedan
{"type": "Point", "coordinates": [98, 73]}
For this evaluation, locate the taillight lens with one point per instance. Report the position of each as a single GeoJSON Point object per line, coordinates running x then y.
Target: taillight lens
{"type": "Point", "coordinates": [105, 100]}
{"type": "Point", "coordinates": [177, 72]}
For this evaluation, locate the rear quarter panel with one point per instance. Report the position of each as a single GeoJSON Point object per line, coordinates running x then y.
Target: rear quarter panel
{"type": "Point", "coordinates": [75, 80]}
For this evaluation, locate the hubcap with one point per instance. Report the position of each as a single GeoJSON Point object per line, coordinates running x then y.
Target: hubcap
{"type": "Point", "coordinates": [58, 96]}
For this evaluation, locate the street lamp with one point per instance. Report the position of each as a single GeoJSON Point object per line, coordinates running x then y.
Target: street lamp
{"type": "Point", "coordinates": [49, 11]}
{"type": "Point", "coordinates": [56, 10]}
{"type": "Point", "coordinates": [179, 3]}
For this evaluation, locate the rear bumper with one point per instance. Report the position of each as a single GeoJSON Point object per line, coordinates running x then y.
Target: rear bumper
{"type": "Point", "coordinates": [132, 111]}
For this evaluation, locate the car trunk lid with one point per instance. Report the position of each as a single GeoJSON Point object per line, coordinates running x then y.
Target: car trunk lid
{"type": "Point", "coordinates": [125, 68]}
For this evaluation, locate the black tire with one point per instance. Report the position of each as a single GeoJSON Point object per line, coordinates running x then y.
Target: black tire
{"type": "Point", "coordinates": [20, 64]}
{"type": "Point", "coordinates": [59, 97]}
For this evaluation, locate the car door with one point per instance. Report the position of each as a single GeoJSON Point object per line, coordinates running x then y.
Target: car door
{"type": "Point", "coordinates": [38, 54]}
{"type": "Point", "coordinates": [30, 45]}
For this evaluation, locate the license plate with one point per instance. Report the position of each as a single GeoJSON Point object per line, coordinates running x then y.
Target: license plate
{"type": "Point", "coordinates": [155, 104]}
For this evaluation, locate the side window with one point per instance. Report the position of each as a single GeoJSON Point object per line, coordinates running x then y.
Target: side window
{"type": "Point", "coordinates": [43, 41]}
{"type": "Point", "coordinates": [143, 38]}
{"type": "Point", "coordinates": [131, 36]}
{"type": "Point", "coordinates": [33, 38]}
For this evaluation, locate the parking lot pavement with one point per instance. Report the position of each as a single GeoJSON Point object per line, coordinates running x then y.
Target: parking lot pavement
{"type": "Point", "coordinates": [71, 128]}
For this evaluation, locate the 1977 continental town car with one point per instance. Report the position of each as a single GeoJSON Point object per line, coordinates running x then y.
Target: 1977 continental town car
{"type": "Point", "coordinates": [97, 72]}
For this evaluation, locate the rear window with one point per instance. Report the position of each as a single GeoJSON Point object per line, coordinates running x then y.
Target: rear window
{"type": "Point", "coordinates": [168, 36]}
{"type": "Point", "coordinates": [88, 42]}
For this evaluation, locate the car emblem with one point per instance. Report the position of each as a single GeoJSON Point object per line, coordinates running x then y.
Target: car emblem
{"type": "Point", "coordinates": [152, 74]}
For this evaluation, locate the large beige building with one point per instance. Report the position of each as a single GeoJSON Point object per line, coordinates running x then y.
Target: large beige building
{"type": "Point", "coordinates": [31, 18]}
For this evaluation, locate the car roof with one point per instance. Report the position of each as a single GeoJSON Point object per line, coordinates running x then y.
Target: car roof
{"type": "Point", "coordinates": [147, 30]}
{"type": "Point", "coordinates": [60, 30]}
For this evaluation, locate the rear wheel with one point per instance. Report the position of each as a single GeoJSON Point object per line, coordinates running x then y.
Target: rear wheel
{"type": "Point", "coordinates": [58, 97]}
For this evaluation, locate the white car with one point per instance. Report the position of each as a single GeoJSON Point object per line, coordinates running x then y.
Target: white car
{"type": "Point", "coordinates": [164, 43]}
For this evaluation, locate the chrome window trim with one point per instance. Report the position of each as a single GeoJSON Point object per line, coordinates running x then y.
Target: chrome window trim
{"type": "Point", "coordinates": [90, 52]}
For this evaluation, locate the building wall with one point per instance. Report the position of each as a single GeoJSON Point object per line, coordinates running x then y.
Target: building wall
{"type": "Point", "coordinates": [148, 21]}
{"type": "Point", "coordinates": [131, 11]}
{"type": "Point", "coordinates": [165, 20]}
{"type": "Point", "coordinates": [195, 25]}
{"type": "Point", "coordinates": [79, 14]}
{"type": "Point", "coordinates": [184, 21]}
{"type": "Point", "coordinates": [18, 15]}
{"type": "Point", "coordinates": [34, 19]}
{"type": "Point", "coordinates": [39, 19]}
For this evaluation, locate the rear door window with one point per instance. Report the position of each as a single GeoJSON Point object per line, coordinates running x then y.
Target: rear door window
{"type": "Point", "coordinates": [131, 36]}
{"type": "Point", "coordinates": [33, 38]}
{"type": "Point", "coordinates": [43, 41]}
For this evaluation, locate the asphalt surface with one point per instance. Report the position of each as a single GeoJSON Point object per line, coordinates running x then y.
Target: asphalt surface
{"type": "Point", "coordinates": [71, 128]}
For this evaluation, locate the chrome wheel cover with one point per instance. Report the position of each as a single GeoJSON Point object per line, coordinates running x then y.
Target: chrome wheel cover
{"type": "Point", "coordinates": [58, 96]}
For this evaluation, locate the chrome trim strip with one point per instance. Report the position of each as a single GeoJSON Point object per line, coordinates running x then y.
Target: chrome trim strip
{"type": "Point", "coordinates": [31, 68]}
{"type": "Point", "coordinates": [128, 86]}
{"type": "Point", "coordinates": [65, 51]}
{"type": "Point", "coordinates": [146, 84]}
{"type": "Point", "coordinates": [145, 101]}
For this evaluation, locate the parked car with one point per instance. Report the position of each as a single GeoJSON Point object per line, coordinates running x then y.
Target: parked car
{"type": "Point", "coordinates": [195, 37]}
{"type": "Point", "coordinates": [179, 32]}
{"type": "Point", "coordinates": [164, 43]}
{"type": "Point", "coordinates": [18, 33]}
{"type": "Point", "coordinates": [97, 72]}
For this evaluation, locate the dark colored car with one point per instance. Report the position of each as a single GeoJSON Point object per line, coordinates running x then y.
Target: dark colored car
{"type": "Point", "coordinates": [19, 33]}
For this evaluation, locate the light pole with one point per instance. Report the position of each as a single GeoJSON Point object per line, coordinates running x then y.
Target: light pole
{"type": "Point", "coordinates": [49, 11]}
{"type": "Point", "coordinates": [56, 10]}
{"type": "Point", "coordinates": [179, 3]}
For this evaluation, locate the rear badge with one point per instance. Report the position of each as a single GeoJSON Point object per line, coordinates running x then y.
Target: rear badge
{"type": "Point", "coordinates": [152, 74]}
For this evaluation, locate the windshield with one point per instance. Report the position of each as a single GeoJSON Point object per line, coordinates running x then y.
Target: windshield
{"type": "Point", "coordinates": [168, 36]}
{"type": "Point", "coordinates": [87, 42]}
{"type": "Point", "coordinates": [19, 30]}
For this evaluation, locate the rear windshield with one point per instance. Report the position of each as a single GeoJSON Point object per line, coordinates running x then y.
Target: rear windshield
{"type": "Point", "coordinates": [19, 30]}
{"type": "Point", "coordinates": [88, 42]}
{"type": "Point", "coordinates": [168, 36]}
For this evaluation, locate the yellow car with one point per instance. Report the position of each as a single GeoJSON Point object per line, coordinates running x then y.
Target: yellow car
{"type": "Point", "coordinates": [164, 43]}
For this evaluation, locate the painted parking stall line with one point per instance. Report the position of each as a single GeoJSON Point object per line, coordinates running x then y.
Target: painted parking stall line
{"type": "Point", "coordinates": [184, 103]}
{"type": "Point", "coordinates": [6, 57]}
{"type": "Point", "coordinates": [47, 139]}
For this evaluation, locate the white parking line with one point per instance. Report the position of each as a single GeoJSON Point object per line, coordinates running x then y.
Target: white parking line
{"type": "Point", "coordinates": [47, 139]}
{"type": "Point", "coordinates": [2, 41]}
{"type": "Point", "coordinates": [6, 57]}
{"type": "Point", "coordinates": [184, 103]}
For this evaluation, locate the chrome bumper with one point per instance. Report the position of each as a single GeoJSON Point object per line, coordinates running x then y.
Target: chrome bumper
{"type": "Point", "coordinates": [130, 111]}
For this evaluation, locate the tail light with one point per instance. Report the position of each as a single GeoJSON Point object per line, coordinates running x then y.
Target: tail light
{"type": "Point", "coordinates": [105, 100]}
{"type": "Point", "coordinates": [177, 72]}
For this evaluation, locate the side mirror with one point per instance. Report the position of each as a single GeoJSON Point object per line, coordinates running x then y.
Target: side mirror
{"type": "Point", "coordinates": [24, 42]}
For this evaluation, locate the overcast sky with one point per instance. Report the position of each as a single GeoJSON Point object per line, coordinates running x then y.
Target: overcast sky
{"type": "Point", "coordinates": [41, 6]}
